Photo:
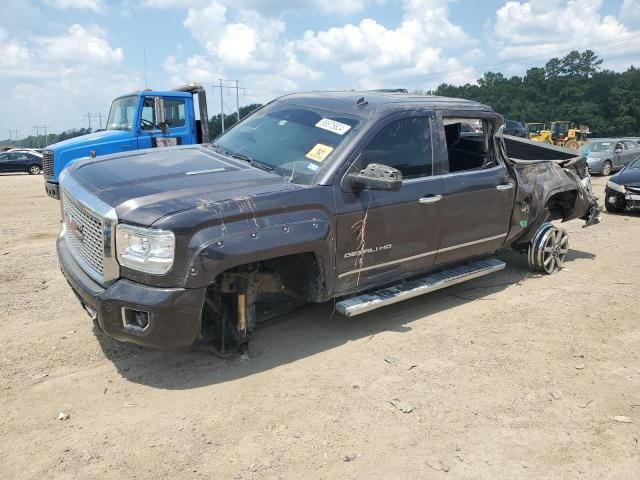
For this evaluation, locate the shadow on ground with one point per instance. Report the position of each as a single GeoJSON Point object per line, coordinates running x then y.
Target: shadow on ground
{"type": "Point", "coordinates": [316, 328]}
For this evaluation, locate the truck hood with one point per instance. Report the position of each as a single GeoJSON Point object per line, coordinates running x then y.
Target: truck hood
{"type": "Point", "coordinates": [149, 184]}
{"type": "Point", "coordinates": [90, 139]}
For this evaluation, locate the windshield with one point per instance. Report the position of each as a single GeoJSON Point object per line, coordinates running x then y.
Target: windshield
{"type": "Point", "coordinates": [635, 163]}
{"type": "Point", "coordinates": [600, 146]}
{"type": "Point", "coordinates": [293, 141]}
{"type": "Point", "coordinates": [122, 113]}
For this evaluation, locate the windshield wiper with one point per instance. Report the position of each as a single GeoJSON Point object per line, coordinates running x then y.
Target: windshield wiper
{"type": "Point", "coordinates": [242, 156]}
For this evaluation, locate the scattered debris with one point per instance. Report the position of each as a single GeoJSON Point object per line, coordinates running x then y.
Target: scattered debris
{"type": "Point", "coordinates": [397, 362]}
{"type": "Point", "coordinates": [586, 404]}
{"type": "Point", "coordinates": [350, 457]}
{"type": "Point", "coordinates": [63, 416]}
{"type": "Point", "coordinates": [437, 464]}
{"type": "Point", "coordinates": [621, 419]}
{"type": "Point", "coordinates": [555, 395]}
{"type": "Point", "coordinates": [404, 407]}
{"type": "Point", "coordinates": [579, 366]}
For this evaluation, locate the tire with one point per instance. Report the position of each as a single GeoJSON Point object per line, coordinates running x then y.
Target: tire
{"type": "Point", "coordinates": [34, 169]}
{"type": "Point", "coordinates": [606, 168]}
{"type": "Point", "coordinates": [548, 249]}
{"type": "Point", "coordinates": [572, 144]}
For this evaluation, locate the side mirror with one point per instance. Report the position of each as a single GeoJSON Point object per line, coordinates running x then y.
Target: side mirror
{"type": "Point", "coordinates": [158, 106]}
{"type": "Point", "coordinates": [376, 177]}
{"type": "Point", "coordinates": [618, 150]}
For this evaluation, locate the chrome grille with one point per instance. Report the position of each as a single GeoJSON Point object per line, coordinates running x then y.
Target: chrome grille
{"type": "Point", "coordinates": [83, 232]}
{"type": "Point", "coordinates": [47, 163]}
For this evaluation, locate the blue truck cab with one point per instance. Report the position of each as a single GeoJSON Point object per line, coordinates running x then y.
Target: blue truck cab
{"type": "Point", "coordinates": [146, 119]}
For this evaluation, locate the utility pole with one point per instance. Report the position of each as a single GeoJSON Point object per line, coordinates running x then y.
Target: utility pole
{"type": "Point", "coordinates": [37, 128]}
{"type": "Point", "coordinates": [99, 115]}
{"type": "Point", "coordinates": [234, 86]}
{"type": "Point", "coordinates": [10, 132]}
{"type": "Point", "coordinates": [88, 115]}
{"type": "Point", "coordinates": [221, 106]}
{"type": "Point", "coordinates": [237, 100]}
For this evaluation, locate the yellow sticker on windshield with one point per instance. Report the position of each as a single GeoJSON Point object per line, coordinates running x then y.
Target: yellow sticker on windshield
{"type": "Point", "coordinates": [319, 152]}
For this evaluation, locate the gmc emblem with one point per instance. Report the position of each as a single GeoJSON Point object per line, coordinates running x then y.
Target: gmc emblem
{"type": "Point", "coordinates": [75, 226]}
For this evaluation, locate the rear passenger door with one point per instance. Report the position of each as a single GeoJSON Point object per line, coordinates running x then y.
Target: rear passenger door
{"type": "Point", "coordinates": [477, 192]}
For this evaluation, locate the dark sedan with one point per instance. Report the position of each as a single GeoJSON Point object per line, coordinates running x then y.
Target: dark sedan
{"type": "Point", "coordinates": [622, 192]}
{"type": "Point", "coordinates": [27, 162]}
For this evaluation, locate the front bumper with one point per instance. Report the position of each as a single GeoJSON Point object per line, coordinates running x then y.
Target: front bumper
{"type": "Point", "coordinates": [622, 201]}
{"type": "Point", "coordinates": [174, 314]}
{"type": "Point", "coordinates": [52, 189]}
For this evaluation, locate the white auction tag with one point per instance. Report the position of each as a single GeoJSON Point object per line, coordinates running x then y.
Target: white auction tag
{"type": "Point", "coordinates": [333, 126]}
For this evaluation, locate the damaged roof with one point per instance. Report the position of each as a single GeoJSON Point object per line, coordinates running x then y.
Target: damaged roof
{"type": "Point", "coordinates": [350, 102]}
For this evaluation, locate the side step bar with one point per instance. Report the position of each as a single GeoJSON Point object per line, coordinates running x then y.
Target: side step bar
{"type": "Point", "coordinates": [380, 298]}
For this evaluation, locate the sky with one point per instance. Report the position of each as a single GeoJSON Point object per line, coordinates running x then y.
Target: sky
{"type": "Point", "coordinates": [62, 59]}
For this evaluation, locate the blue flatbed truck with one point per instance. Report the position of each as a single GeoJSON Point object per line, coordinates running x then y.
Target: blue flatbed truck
{"type": "Point", "coordinates": [140, 120]}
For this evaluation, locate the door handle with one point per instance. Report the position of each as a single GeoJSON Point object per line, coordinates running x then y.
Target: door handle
{"type": "Point", "coordinates": [124, 147]}
{"type": "Point", "coordinates": [505, 186]}
{"type": "Point", "coordinates": [430, 199]}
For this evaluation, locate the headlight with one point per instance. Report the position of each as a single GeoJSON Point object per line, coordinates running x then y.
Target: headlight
{"type": "Point", "coordinates": [616, 187]}
{"type": "Point", "coordinates": [145, 249]}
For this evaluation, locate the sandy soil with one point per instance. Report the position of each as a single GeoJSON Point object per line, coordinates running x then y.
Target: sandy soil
{"type": "Point", "coordinates": [516, 376]}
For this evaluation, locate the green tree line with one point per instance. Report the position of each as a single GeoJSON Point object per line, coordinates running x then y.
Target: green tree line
{"type": "Point", "coordinates": [573, 88]}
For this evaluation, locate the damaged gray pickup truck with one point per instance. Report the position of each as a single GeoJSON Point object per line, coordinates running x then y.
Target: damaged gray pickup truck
{"type": "Point", "coordinates": [365, 197]}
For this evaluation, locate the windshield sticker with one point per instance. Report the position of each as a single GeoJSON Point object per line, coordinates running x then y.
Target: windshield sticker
{"type": "Point", "coordinates": [319, 152]}
{"type": "Point", "coordinates": [333, 126]}
{"type": "Point", "coordinates": [282, 122]}
{"type": "Point", "coordinates": [313, 166]}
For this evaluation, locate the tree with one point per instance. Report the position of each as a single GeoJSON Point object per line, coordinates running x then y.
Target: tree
{"type": "Point", "coordinates": [573, 88]}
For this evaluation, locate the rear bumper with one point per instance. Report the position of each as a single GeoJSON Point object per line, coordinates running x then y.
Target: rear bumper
{"type": "Point", "coordinates": [52, 189]}
{"type": "Point", "coordinates": [174, 314]}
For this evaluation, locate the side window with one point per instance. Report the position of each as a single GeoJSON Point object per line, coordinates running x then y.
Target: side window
{"type": "Point", "coordinates": [19, 156]}
{"type": "Point", "coordinates": [619, 146]}
{"type": "Point", "coordinates": [147, 120]}
{"type": "Point", "coordinates": [630, 146]}
{"type": "Point", "coordinates": [467, 143]}
{"type": "Point", "coordinates": [4, 157]}
{"type": "Point", "coordinates": [174, 112]}
{"type": "Point", "coordinates": [403, 144]}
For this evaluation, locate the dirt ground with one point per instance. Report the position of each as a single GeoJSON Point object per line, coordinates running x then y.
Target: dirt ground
{"type": "Point", "coordinates": [516, 376]}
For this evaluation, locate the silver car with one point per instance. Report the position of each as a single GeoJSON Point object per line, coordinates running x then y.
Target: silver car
{"type": "Point", "coordinates": [607, 155]}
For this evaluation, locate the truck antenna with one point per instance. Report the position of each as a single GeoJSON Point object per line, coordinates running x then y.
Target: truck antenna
{"type": "Point", "coordinates": [144, 53]}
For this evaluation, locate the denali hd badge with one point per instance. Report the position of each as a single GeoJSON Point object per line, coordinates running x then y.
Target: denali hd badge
{"type": "Point", "coordinates": [364, 251]}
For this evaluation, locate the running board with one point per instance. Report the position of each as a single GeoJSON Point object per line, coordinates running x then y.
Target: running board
{"type": "Point", "coordinates": [403, 291]}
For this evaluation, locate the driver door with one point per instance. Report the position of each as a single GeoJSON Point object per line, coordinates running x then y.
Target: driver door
{"type": "Point", "coordinates": [383, 236]}
{"type": "Point", "coordinates": [176, 118]}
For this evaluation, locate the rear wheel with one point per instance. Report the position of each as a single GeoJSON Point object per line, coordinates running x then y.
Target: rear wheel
{"type": "Point", "coordinates": [548, 249]}
{"type": "Point", "coordinates": [606, 168]}
{"type": "Point", "coordinates": [34, 169]}
{"type": "Point", "coordinates": [572, 144]}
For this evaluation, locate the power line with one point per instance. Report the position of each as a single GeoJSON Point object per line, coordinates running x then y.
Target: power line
{"type": "Point", "coordinates": [221, 85]}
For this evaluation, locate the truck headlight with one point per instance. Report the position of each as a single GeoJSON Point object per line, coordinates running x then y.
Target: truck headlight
{"type": "Point", "coordinates": [615, 186]}
{"type": "Point", "coordinates": [148, 250]}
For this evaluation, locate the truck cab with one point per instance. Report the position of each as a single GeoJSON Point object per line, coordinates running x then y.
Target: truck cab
{"type": "Point", "coordinates": [140, 120]}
